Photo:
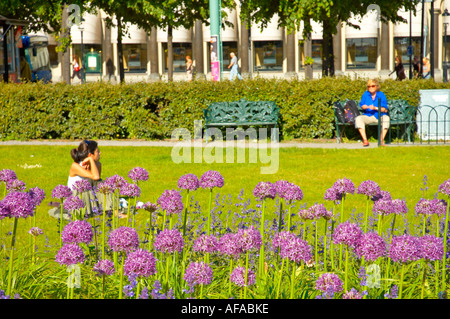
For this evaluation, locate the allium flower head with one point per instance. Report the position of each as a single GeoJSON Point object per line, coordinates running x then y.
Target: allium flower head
{"type": "Point", "coordinates": [265, 190]}
{"type": "Point", "coordinates": [211, 179]}
{"type": "Point", "coordinates": [280, 239]}
{"type": "Point", "coordinates": [405, 248]}
{"type": "Point", "coordinates": [141, 263]}
{"type": "Point", "coordinates": [399, 207]}
{"type": "Point", "coordinates": [296, 249]}
{"type": "Point", "coordinates": [73, 203]}
{"type": "Point", "coordinates": [344, 186]}
{"type": "Point", "coordinates": [289, 191]}
{"type": "Point", "coordinates": [104, 267]}
{"type": "Point", "coordinates": [332, 194]}
{"type": "Point", "coordinates": [348, 234]}
{"type": "Point", "coordinates": [104, 187]}
{"type": "Point", "coordinates": [77, 231]}
{"type": "Point", "coordinates": [7, 175]}
{"type": "Point", "coordinates": [138, 174]}
{"type": "Point", "coordinates": [169, 241]}
{"type": "Point", "coordinates": [171, 201]}
{"type": "Point", "coordinates": [249, 238]}
{"type": "Point", "coordinates": [444, 188]}
{"type": "Point", "coordinates": [61, 192]}
{"type": "Point", "coordinates": [371, 246]}
{"type": "Point", "coordinates": [35, 231]}
{"type": "Point", "coordinates": [116, 181]}
{"type": "Point", "coordinates": [352, 294]}
{"type": "Point", "coordinates": [383, 195]}
{"type": "Point", "coordinates": [123, 239]}
{"type": "Point", "coordinates": [17, 205]}
{"type": "Point", "coordinates": [383, 207]}
{"type": "Point", "coordinates": [206, 244]}
{"type": "Point", "coordinates": [189, 182]}
{"type": "Point", "coordinates": [238, 277]}
{"type": "Point", "coordinates": [319, 210]}
{"type": "Point", "coordinates": [70, 254]}
{"type": "Point", "coordinates": [82, 186]}
{"type": "Point", "coordinates": [150, 207]}
{"type": "Point", "coordinates": [37, 194]}
{"type": "Point", "coordinates": [430, 207]}
{"type": "Point", "coordinates": [15, 185]}
{"type": "Point", "coordinates": [230, 245]}
{"type": "Point", "coordinates": [431, 247]}
{"type": "Point", "coordinates": [369, 188]}
{"type": "Point", "coordinates": [306, 214]}
{"type": "Point", "coordinates": [198, 274]}
{"type": "Point", "coordinates": [329, 282]}
{"type": "Point", "coordinates": [130, 190]}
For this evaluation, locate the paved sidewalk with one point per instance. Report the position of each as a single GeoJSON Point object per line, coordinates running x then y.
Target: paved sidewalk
{"type": "Point", "coordinates": [197, 143]}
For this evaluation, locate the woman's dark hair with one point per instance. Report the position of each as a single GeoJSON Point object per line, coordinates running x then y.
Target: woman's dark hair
{"type": "Point", "coordinates": [84, 149]}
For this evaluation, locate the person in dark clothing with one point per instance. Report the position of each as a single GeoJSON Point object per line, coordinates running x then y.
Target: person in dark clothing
{"type": "Point", "coordinates": [416, 67]}
{"type": "Point", "coordinates": [399, 69]}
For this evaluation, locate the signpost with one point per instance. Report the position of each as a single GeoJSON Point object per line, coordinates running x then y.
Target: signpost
{"type": "Point", "coordinates": [216, 42]}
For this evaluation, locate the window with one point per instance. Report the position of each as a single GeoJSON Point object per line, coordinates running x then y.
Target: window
{"type": "Point", "coordinates": [268, 55]}
{"type": "Point", "coordinates": [316, 54]}
{"type": "Point", "coordinates": [227, 48]}
{"type": "Point", "coordinates": [446, 50]}
{"type": "Point", "coordinates": [401, 48]}
{"type": "Point", "coordinates": [135, 57]}
{"type": "Point", "coordinates": [180, 51]}
{"type": "Point", "coordinates": [361, 53]}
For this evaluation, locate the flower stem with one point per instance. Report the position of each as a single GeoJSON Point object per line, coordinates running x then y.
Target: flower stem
{"type": "Point", "coordinates": [325, 246]}
{"type": "Point", "coordinates": [61, 224]}
{"type": "Point", "coordinates": [246, 273]}
{"type": "Point", "coordinates": [444, 258]}
{"type": "Point", "coordinates": [103, 226]}
{"type": "Point", "coordinates": [316, 253]}
{"type": "Point", "coordinates": [261, 251]}
{"type": "Point", "coordinates": [346, 269]}
{"type": "Point", "coordinates": [279, 278]}
{"type": "Point", "coordinates": [11, 257]}
{"type": "Point", "coordinates": [401, 282]}
{"type": "Point", "coordinates": [209, 213]}
{"type": "Point", "coordinates": [185, 214]}
{"type": "Point", "coordinates": [367, 214]}
{"type": "Point", "coordinates": [424, 272]}
{"type": "Point", "coordinates": [121, 277]}
{"type": "Point", "coordinates": [294, 269]}
{"type": "Point", "coordinates": [231, 270]}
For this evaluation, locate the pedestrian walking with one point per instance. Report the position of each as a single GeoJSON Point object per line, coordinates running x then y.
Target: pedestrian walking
{"type": "Point", "coordinates": [234, 67]}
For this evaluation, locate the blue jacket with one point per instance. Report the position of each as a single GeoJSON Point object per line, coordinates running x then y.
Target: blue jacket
{"type": "Point", "coordinates": [366, 99]}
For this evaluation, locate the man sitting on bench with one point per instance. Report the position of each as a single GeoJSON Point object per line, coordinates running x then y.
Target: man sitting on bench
{"type": "Point", "coordinates": [369, 104]}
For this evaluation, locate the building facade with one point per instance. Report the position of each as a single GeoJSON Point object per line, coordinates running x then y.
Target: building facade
{"type": "Point", "coordinates": [365, 52]}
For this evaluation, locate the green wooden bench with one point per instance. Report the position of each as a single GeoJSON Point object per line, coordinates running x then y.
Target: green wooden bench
{"type": "Point", "coordinates": [242, 113]}
{"type": "Point", "coordinates": [401, 115]}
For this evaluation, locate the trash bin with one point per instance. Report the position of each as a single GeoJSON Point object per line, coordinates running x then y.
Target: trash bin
{"type": "Point", "coordinates": [433, 115]}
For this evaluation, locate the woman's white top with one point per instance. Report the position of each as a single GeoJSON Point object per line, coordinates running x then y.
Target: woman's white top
{"type": "Point", "coordinates": [74, 179]}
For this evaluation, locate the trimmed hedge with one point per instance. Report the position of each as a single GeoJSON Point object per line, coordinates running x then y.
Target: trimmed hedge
{"type": "Point", "coordinates": [153, 110]}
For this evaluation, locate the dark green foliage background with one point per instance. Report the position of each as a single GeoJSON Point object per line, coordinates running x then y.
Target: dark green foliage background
{"type": "Point", "coordinates": [153, 110]}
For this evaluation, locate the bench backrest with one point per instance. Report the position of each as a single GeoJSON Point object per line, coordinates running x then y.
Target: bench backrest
{"type": "Point", "coordinates": [399, 110]}
{"type": "Point", "coordinates": [242, 111]}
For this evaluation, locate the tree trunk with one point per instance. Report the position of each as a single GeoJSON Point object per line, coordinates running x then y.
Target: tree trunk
{"type": "Point", "coordinates": [327, 53]}
{"type": "Point", "coordinates": [169, 54]}
{"type": "Point", "coordinates": [120, 49]}
{"type": "Point", "coordinates": [65, 60]}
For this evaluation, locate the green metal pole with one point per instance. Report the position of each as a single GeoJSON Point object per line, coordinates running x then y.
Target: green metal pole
{"type": "Point", "coordinates": [215, 18]}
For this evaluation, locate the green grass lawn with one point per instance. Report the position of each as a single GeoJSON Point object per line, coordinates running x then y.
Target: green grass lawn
{"type": "Point", "coordinates": [399, 170]}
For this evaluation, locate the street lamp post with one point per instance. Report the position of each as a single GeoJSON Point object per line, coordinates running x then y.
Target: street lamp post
{"type": "Point", "coordinates": [446, 16]}
{"type": "Point", "coordinates": [81, 28]}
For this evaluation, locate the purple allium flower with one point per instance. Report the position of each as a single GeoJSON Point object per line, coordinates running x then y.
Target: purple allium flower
{"type": "Point", "coordinates": [35, 231]}
{"type": "Point", "coordinates": [123, 239]}
{"type": "Point", "coordinates": [138, 174]}
{"type": "Point", "coordinates": [229, 245]}
{"type": "Point", "coordinates": [238, 277]}
{"type": "Point", "coordinates": [265, 190]}
{"type": "Point", "coordinates": [77, 231]}
{"type": "Point", "coordinates": [104, 187]}
{"type": "Point", "coordinates": [329, 282]}
{"type": "Point", "coordinates": [37, 194]}
{"type": "Point", "coordinates": [7, 175]}
{"type": "Point", "coordinates": [319, 210]}
{"type": "Point", "coordinates": [169, 241]}
{"type": "Point", "coordinates": [150, 207]}
{"type": "Point", "coordinates": [306, 214]}
{"type": "Point", "coordinates": [383, 207]}
{"type": "Point", "coordinates": [384, 195]}
{"type": "Point", "coordinates": [280, 238]}
{"type": "Point", "coordinates": [171, 201]}
{"type": "Point", "coordinates": [405, 248]}
{"type": "Point", "coordinates": [70, 254]}
{"type": "Point", "coordinates": [198, 274]}
{"type": "Point", "coordinates": [289, 191]}
{"type": "Point", "coordinates": [348, 234]}
{"type": "Point", "coordinates": [206, 244]}
{"type": "Point", "coordinates": [352, 294]}
{"type": "Point", "coordinates": [444, 188]}
{"type": "Point", "coordinates": [371, 246]}
{"type": "Point", "coordinates": [432, 247]}
{"type": "Point", "coordinates": [116, 181]}
{"type": "Point", "coordinates": [250, 238]}
{"type": "Point", "coordinates": [17, 205]}
{"type": "Point", "coordinates": [332, 194]}
{"type": "Point", "coordinates": [130, 190]}
{"type": "Point", "coordinates": [141, 263]}
{"type": "Point", "coordinates": [73, 203]}
{"type": "Point", "coordinates": [61, 191]}
{"type": "Point", "coordinates": [399, 207]}
{"type": "Point", "coordinates": [430, 207]}
{"type": "Point", "coordinates": [82, 186]}
{"type": "Point", "coordinates": [15, 185]}
{"type": "Point", "coordinates": [211, 179]}
{"type": "Point", "coordinates": [189, 182]}
{"type": "Point", "coordinates": [104, 267]}
{"type": "Point", "coordinates": [296, 249]}
{"type": "Point", "coordinates": [369, 188]}
{"type": "Point", "coordinates": [344, 186]}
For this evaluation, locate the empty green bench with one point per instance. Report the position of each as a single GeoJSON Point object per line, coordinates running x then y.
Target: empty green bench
{"type": "Point", "coordinates": [242, 113]}
{"type": "Point", "coordinates": [401, 114]}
